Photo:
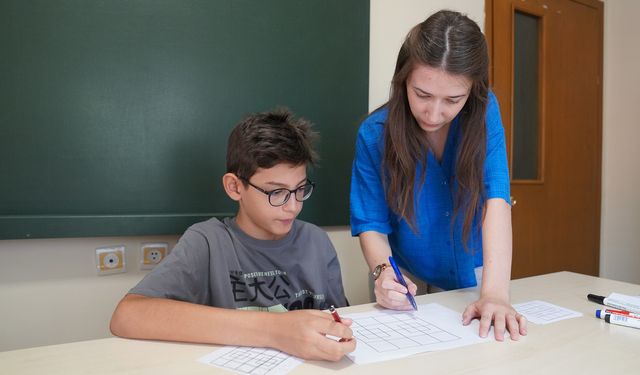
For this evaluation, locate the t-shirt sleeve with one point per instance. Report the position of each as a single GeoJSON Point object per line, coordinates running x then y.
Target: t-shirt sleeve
{"type": "Point", "coordinates": [496, 172]}
{"type": "Point", "coordinates": [183, 274]}
{"type": "Point", "coordinates": [369, 209]}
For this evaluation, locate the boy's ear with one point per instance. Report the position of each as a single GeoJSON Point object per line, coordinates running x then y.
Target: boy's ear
{"type": "Point", "coordinates": [231, 184]}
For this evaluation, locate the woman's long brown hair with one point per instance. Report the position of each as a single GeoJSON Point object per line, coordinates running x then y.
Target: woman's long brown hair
{"type": "Point", "coordinates": [452, 42]}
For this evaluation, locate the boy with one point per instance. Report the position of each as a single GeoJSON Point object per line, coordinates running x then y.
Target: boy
{"type": "Point", "coordinates": [225, 278]}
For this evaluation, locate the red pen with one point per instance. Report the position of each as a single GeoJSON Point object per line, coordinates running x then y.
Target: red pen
{"type": "Point", "coordinates": [336, 317]}
{"type": "Point", "coordinates": [334, 313]}
{"type": "Point", "coordinates": [622, 312]}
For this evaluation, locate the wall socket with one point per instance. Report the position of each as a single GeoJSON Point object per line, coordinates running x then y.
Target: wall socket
{"type": "Point", "coordinates": [110, 260]}
{"type": "Point", "coordinates": [152, 253]}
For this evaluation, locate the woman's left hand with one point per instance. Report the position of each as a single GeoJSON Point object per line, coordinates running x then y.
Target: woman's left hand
{"type": "Point", "coordinates": [499, 312]}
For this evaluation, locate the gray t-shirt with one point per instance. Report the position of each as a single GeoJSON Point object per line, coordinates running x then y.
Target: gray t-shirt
{"type": "Point", "coordinates": [215, 263]}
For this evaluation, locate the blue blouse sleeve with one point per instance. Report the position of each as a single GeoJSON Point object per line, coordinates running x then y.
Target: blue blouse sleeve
{"type": "Point", "coordinates": [496, 169]}
{"type": "Point", "coordinates": [369, 210]}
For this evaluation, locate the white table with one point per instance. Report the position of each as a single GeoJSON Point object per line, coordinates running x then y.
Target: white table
{"type": "Point", "coordinates": [583, 345]}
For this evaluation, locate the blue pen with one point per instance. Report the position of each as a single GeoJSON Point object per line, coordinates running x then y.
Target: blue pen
{"type": "Point", "coordinates": [404, 283]}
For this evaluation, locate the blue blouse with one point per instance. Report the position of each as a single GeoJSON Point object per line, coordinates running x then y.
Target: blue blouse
{"type": "Point", "coordinates": [435, 253]}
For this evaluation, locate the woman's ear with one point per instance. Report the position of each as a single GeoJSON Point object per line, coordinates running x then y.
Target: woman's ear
{"type": "Point", "coordinates": [232, 187]}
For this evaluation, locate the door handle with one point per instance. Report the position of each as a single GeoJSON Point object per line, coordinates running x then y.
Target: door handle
{"type": "Point", "coordinates": [513, 201]}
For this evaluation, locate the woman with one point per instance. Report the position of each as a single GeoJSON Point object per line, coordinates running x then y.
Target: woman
{"type": "Point", "coordinates": [430, 181]}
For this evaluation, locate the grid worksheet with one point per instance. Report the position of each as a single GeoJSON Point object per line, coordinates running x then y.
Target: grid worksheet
{"type": "Point", "coordinates": [387, 334]}
{"type": "Point", "coordinates": [392, 332]}
{"type": "Point", "coordinates": [250, 360]}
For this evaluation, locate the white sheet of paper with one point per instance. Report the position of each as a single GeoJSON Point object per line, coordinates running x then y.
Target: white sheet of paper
{"type": "Point", "coordinates": [541, 312]}
{"type": "Point", "coordinates": [387, 334]}
{"type": "Point", "coordinates": [250, 360]}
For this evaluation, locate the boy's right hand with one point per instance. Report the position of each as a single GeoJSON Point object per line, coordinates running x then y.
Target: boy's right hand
{"type": "Point", "coordinates": [302, 333]}
{"type": "Point", "coordinates": [390, 293]}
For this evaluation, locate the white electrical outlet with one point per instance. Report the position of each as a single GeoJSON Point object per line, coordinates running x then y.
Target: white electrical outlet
{"type": "Point", "coordinates": [110, 260]}
{"type": "Point", "coordinates": [152, 254]}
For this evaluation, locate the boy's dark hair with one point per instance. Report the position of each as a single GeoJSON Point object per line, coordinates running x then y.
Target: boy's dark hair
{"type": "Point", "coordinates": [263, 140]}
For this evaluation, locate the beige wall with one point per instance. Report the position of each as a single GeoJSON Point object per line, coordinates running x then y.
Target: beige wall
{"type": "Point", "coordinates": [50, 292]}
{"type": "Point", "coordinates": [620, 231]}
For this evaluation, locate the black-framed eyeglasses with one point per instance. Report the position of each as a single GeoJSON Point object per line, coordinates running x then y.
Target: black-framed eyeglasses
{"type": "Point", "coordinates": [280, 196]}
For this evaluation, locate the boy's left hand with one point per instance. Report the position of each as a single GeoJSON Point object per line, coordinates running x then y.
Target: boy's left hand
{"type": "Point", "coordinates": [499, 312]}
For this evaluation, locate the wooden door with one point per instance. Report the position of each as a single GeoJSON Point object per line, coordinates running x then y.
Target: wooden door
{"type": "Point", "coordinates": [547, 74]}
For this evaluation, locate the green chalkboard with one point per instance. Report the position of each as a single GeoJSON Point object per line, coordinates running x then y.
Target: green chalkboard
{"type": "Point", "coordinates": [115, 114]}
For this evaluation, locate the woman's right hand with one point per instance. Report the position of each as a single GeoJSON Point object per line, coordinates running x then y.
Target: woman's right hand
{"type": "Point", "coordinates": [390, 293]}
